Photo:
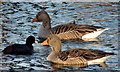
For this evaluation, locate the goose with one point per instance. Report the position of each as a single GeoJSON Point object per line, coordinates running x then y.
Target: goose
{"type": "Point", "coordinates": [21, 49]}
{"type": "Point", "coordinates": [74, 56]}
{"type": "Point", "coordinates": [68, 31]}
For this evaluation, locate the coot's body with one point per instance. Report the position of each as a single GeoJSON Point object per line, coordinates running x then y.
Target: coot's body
{"type": "Point", "coordinates": [21, 48]}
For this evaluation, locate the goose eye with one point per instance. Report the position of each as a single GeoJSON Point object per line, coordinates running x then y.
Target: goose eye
{"type": "Point", "coordinates": [47, 41]}
{"type": "Point", "coordinates": [37, 16]}
{"type": "Point", "coordinates": [49, 38]}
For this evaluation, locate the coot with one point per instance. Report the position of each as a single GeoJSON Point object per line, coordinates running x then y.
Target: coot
{"type": "Point", "coordinates": [21, 49]}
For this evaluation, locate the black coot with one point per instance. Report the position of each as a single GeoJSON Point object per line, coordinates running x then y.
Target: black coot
{"type": "Point", "coordinates": [21, 49]}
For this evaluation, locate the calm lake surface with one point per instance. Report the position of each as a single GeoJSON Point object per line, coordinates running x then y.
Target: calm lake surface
{"type": "Point", "coordinates": [16, 26]}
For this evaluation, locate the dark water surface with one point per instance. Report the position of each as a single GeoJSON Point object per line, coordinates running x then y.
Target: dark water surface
{"type": "Point", "coordinates": [16, 26]}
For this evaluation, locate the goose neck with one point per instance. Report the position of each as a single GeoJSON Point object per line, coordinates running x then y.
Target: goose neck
{"type": "Point", "coordinates": [56, 48]}
{"type": "Point", "coordinates": [46, 24]}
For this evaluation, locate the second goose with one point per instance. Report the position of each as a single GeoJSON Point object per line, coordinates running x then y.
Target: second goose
{"type": "Point", "coordinates": [66, 31]}
{"type": "Point", "coordinates": [74, 56]}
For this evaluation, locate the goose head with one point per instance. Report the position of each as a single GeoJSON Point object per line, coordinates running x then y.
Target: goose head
{"type": "Point", "coordinates": [53, 41]}
{"type": "Point", "coordinates": [41, 17]}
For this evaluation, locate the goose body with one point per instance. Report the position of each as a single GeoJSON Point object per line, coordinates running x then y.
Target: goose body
{"type": "Point", "coordinates": [74, 56]}
{"type": "Point", "coordinates": [66, 31]}
{"type": "Point", "coordinates": [21, 49]}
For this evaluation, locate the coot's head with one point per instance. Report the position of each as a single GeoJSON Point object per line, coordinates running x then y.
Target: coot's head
{"type": "Point", "coordinates": [41, 16]}
{"type": "Point", "coordinates": [30, 40]}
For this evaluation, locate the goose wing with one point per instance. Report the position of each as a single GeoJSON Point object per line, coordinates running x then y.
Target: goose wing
{"type": "Point", "coordinates": [84, 54]}
{"type": "Point", "coordinates": [73, 31]}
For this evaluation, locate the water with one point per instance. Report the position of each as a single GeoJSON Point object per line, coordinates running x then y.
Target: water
{"type": "Point", "coordinates": [16, 26]}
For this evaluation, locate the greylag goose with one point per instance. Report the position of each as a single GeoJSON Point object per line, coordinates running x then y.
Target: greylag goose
{"type": "Point", "coordinates": [66, 31]}
{"type": "Point", "coordinates": [21, 49]}
{"type": "Point", "coordinates": [74, 56]}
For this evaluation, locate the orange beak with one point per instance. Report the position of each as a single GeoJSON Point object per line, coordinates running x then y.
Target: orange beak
{"type": "Point", "coordinates": [44, 43]}
{"type": "Point", "coordinates": [34, 20]}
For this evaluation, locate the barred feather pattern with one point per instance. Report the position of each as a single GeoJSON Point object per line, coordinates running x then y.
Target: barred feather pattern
{"type": "Point", "coordinates": [80, 56]}
{"type": "Point", "coordinates": [73, 31]}
{"type": "Point", "coordinates": [68, 59]}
